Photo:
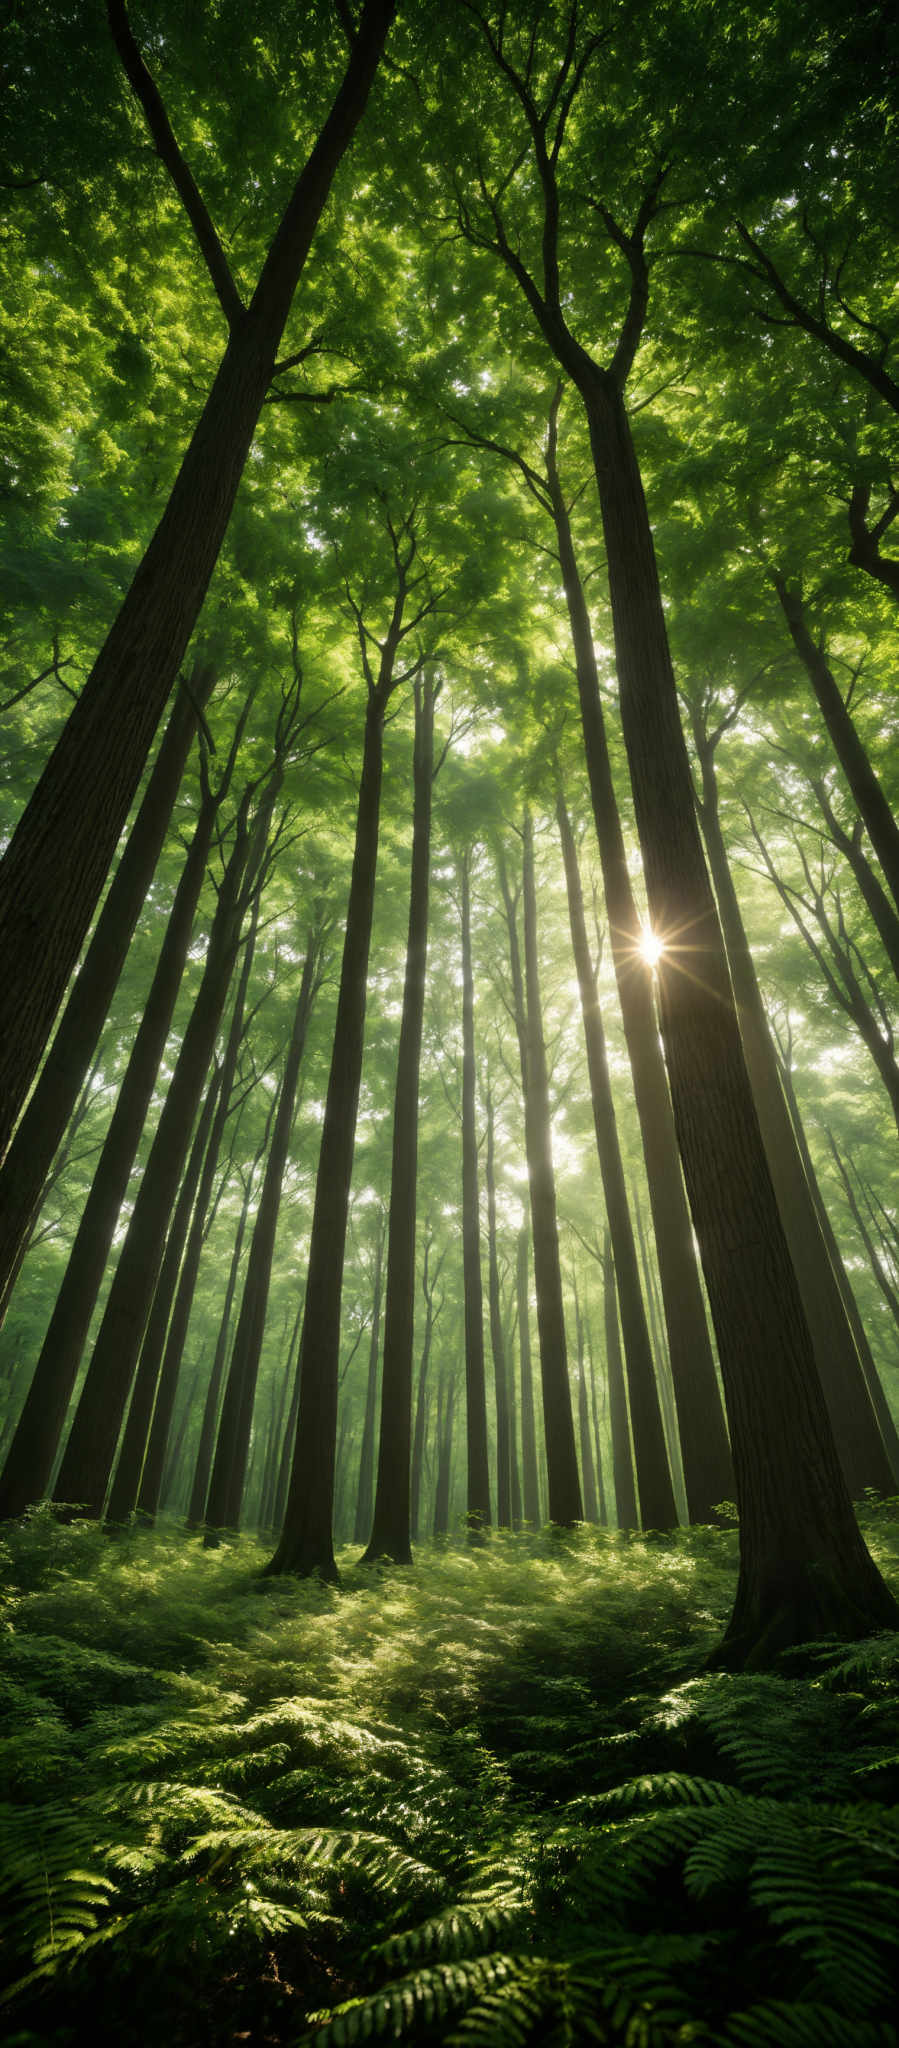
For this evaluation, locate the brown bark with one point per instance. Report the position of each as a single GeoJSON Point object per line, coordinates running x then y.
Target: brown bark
{"type": "Point", "coordinates": [54, 868]}
{"type": "Point", "coordinates": [478, 1492]}
{"type": "Point", "coordinates": [497, 1343]}
{"type": "Point", "coordinates": [529, 1480]}
{"type": "Point", "coordinates": [365, 1482]}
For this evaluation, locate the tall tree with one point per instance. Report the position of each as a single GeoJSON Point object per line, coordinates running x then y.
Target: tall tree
{"type": "Point", "coordinates": [478, 1492]}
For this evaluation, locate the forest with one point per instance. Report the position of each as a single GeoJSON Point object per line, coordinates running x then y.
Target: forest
{"type": "Point", "coordinates": [449, 1071]}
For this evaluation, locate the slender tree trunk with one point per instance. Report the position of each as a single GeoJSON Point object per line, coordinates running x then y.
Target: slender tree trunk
{"type": "Point", "coordinates": [390, 1534]}
{"type": "Point", "coordinates": [54, 869]}
{"type": "Point", "coordinates": [83, 1476]}
{"type": "Point", "coordinates": [874, 1259]}
{"type": "Point", "coordinates": [804, 1568]}
{"type": "Point", "coordinates": [561, 1456]}
{"type": "Point", "coordinates": [530, 1483]}
{"type": "Point", "coordinates": [151, 1477]}
{"type": "Point", "coordinates": [41, 1128]}
{"type": "Point", "coordinates": [126, 1478]}
{"type": "Point", "coordinates": [197, 1508]}
{"type": "Point", "coordinates": [497, 1344]}
{"type": "Point", "coordinates": [653, 1475]}
{"type": "Point", "coordinates": [229, 1469]}
{"type": "Point", "coordinates": [591, 1505]}
{"type": "Point", "coordinates": [859, 1442]}
{"type": "Point", "coordinates": [30, 1460]}
{"type": "Point", "coordinates": [171, 1477]}
{"type": "Point", "coordinates": [478, 1496]}
{"type": "Point", "coordinates": [886, 919]}
{"type": "Point", "coordinates": [705, 1449]}
{"type": "Point", "coordinates": [290, 1428]}
{"type": "Point", "coordinates": [622, 1462]}
{"type": "Point", "coordinates": [445, 1414]}
{"type": "Point", "coordinates": [306, 1543]}
{"type": "Point", "coordinates": [597, 1437]}
{"type": "Point", "coordinates": [880, 823]}
{"type": "Point", "coordinates": [270, 1489]}
{"type": "Point", "coordinates": [421, 1403]}
{"type": "Point", "coordinates": [365, 1486]}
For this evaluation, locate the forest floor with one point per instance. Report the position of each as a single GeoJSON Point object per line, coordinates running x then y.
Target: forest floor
{"type": "Point", "coordinates": [492, 1799]}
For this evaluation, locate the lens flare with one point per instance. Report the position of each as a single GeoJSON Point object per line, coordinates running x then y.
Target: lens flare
{"type": "Point", "coordinates": [651, 948]}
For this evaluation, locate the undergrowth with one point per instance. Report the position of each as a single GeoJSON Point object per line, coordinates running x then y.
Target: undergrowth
{"type": "Point", "coordinates": [493, 1802]}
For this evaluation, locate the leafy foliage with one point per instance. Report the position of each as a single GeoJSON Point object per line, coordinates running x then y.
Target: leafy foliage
{"type": "Point", "coordinates": [494, 1800]}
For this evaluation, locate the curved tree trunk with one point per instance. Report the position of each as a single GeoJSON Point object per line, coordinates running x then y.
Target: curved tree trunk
{"type": "Point", "coordinates": [390, 1533]}
{"type": "Point", "coordinates": [43, 1123]}
{"type": "Point", "coordinates": [30, 1460]}
{"type": "Point", "coordinates": [858, 1437]}
{"type": "Point", "coordinates": [55, 866]}
{"type": "Point", "coordinates": [708, 1470]}
{"type": "Point", "coordinates": [657, 1503]}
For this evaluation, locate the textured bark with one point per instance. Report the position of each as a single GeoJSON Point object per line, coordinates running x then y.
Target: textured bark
{"type": "Point", "coordinates": [622, 1463]}
{"type": "Point", "coordinates": [804, 1569]}
{"type": "Point", "coordinates": [859, 1442]}
{"type": "Point", "coordinates": [708, 1471]}
{"type": "Point", "coordinates": [478, 1492]}
{"type": "Point", "coordinates": [83, 1476]}
{"type": "Point", "coordinates": [366, 1479]}
{"type": "Point", "coordinates": [151, 1476]}
{"type": "Point", "coordinates": [33, 1450]}
{"type": "Point", "coordinates": [129, 1465]}
{"type": "Point", "coordinates": [529, 1480]}
{"type": "Point", "coordinates": [226, 1488]}
{"type": "Point", "coordinates": [565, 1504]}
{"type": "Point", "coordinates": [306, 1545]}
{"type": "Point", "coordinates": [390, 1533]}
{"type": "Point", "coordinates": [657, 1503]}
{"type": "Point", "coordinates": [497, 1342]}
{"type": "Point", "coordinates": [43, 1123]}
{"type": "Point", "coordinates": [880, 823]}
{"type": "Point", "coordinates": [55, 866]}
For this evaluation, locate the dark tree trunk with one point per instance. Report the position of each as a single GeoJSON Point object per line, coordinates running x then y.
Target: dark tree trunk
{"type": "Point", "coordinates": [31, 1455]}
{"type": "Point", "coordinates": [151, 1477]}
{"type": "Point", "coordinates": [446, 1402]}
{"type": "Point", "coordinates": [43, 1123]}
{"type": "Point", "coordinates": [497, 1343]}
{"type": "Point", "coordinates": [622, 1462]}
{"type": "Point", "coordinates": [880, 823]}
{"type": "Point", "coordinates": [478, 1494]}
{"type": "Point", "coordinates": [126, 1478]}
{"type": "Point", "coordinates": [229, 1469]}
{"type": "Point", "coordinates": [306, 1545]}
{"type": "Point", "coordinates": [365, 1485]}
{"type": "Point", "coordinates": [83, 1476]}
{"type": "Point", "coordinates": [54, 869]}
{"type": "Point", "coordinates": [565, 1504]}
{"type": "Point", "coordinates": [886, 919]}
{"type": "Point", "coordinates": [171, 1478]}
{"type": "Point", "coordinates": [653, 1475]}
{"type": "Point", "coordinates": [390, 1534]}
{"type": "Point", "coordinates": [530, 1482]}
{"type": "Point", "coordinates": [858, 1438]}
{"type": "Point", "coordinates": [591, 1505]}
{"type": "Point", "coordinates": [200, 1487]}
{"type": "Point", "coordinates": [708, 1470]}
{"type": "Point", "coordinates": [804, 1570]}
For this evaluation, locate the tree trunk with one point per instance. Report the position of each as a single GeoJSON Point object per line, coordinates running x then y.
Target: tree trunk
{"type": "Point", "coordinates": [529, 1479]}
{"type": "Point", "coordinates": [858, 1438]}
{"type": "Point", "coordinates": [390, 1533]}
{"type": "Point", "coordinates": [446, 1402]}
{"type": "Point", "coordinates": [561, 1456]}
{"type": "Point", "coordinates": [880, 823]}
{"type": "Point", "coordinates": [708, 1470]}
{"type": "Point", "coordinates": [591, 1505]}
{"type": "Point", "coordinates": [40, 1131]}
{"type": "Point", "coordinates": [622, 1462]}
{"type": "Point", "coordinates": [429, 1283]}
{"type": "Point", "coordinates": [54, 868]}
{"type": "Point", "coordinates": [365, 1486]}
{"type": "Point", "coordinates": [126, 1478]}
{"type": "Point", "coordinates": [306, 1544]}
{"type": "Point", "coordinates": [804, 1569]}
{"type": "Point", "coordinates": [151, 1477]}
{"type": "Point", "coordinates": [171, 1477]}
{"type": "Point", "coordinates": [886, 919]}
{"type": "Point", "coordinates": [497, 1344]}
{"type": "Point", "coordinates": [83, 1476]}
{"type": "Point", "coordinates": [653, 1475]}
{"type": "Point", "coordinates": [229, 1469]}
{"type": "Point", "coordinates": [197, 1508]}
{"type": "Point", "coordinates": [270, 1489]}
{"type": "Point", "coordinates": [478, 1493]}
{"type": "Point", "coordinates": [33, 1450]}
